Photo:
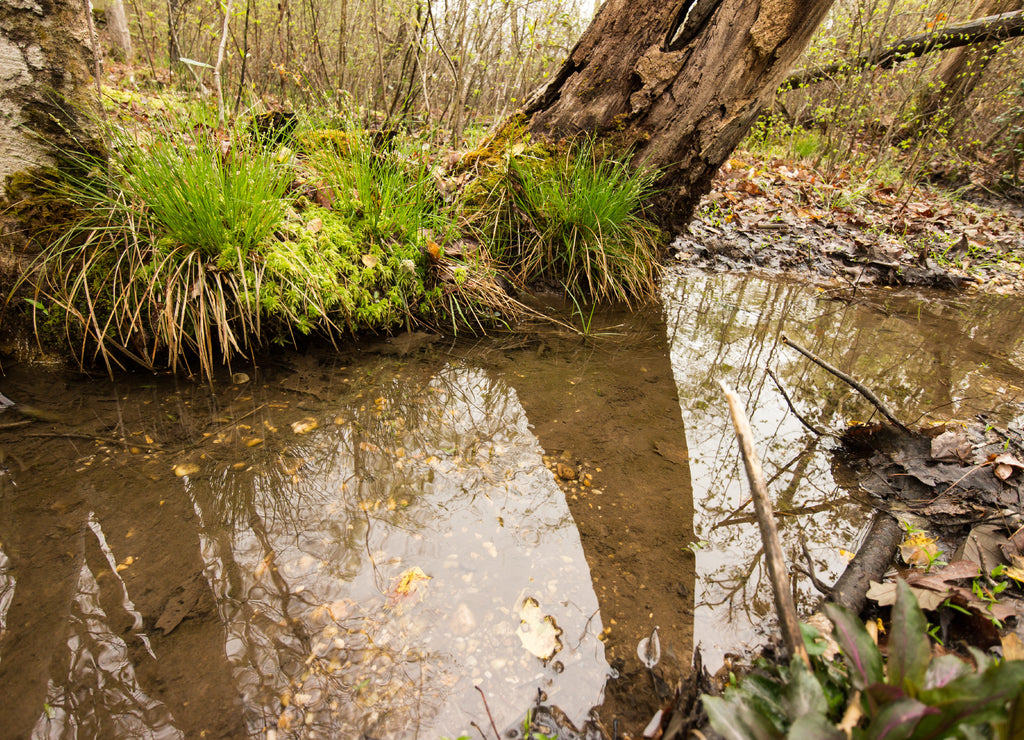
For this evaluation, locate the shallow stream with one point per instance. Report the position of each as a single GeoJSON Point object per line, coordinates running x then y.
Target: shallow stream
{"type": "Point", "coordinates": [366, 543]}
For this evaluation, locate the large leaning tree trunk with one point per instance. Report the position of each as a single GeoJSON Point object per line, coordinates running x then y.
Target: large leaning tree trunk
{"type": "Point", "coordinates": [678, 81]}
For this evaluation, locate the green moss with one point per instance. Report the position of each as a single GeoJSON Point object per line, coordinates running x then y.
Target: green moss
{"type": "Point", "coordinates": [489, 153]}
{"type": "Point", "coordinates": [319, 139]}
{"type": "Point", "coordinates": [36, 201]}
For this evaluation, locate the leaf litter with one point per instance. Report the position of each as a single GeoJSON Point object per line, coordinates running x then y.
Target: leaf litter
{"type": "Point", "coordinates": [966, 480]}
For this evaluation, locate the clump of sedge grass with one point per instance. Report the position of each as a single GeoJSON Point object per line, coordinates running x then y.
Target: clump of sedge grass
{"type": "Point", "coordinates": [169, 256]}
{"type": "Point", "coordinates": [387, 190]}
{"type": "Point", "coordinates": [574, 218]}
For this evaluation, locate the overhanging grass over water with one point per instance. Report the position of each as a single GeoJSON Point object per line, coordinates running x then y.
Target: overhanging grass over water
{"type": "Point", "coordinates": [192, 245]}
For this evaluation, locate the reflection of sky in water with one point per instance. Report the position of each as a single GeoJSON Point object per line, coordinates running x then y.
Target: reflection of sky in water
{"type": "Point", "coordinates": [729, 328]}
{"type": "Point", "coordinates": [7, 585]}
{"type": "Point", "coordinates": [447, 479]}
{"type": "Point", "coordinates": [98, 694]}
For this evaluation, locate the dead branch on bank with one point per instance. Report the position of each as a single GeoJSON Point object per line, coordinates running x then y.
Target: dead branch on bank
{"type": "Point", "coordinates": [990, 29]}
{"type": "Point", "coordinates": [869, 564]}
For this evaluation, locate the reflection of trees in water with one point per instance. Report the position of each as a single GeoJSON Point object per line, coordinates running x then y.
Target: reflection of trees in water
{"type": "Point", "coordinates": [727, 327]}
{"type": "Point", "coordinates": [320, 641]}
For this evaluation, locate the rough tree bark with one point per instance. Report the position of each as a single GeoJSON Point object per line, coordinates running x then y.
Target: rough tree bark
{"type": "Point", "coordinates": [47, 102]}
{"type": "Point", "coordinates": [680, 82]}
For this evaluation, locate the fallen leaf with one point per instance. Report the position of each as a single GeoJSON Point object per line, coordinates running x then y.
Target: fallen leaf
{"type": "Point", "coordinates": [370, 260]}
{"type": "Point", "coordinates": [304, 426]}
{"type": "Point", "coordinates": [919, 550]}
{"type": "Point", "coordinates": [1006, 463]}
{"type": "Point", "coordinates": [1013, 648]}
{"type": "Point", "coordinates": [750, 188]}
{"type": "Point", "coordinates": [883, 593]}
{"type": "Point", "coordinates": [538, 632]}
{"type": "Point", "coordinates": [985, 545]}
{"type": "Point", "coordinates": [952, 445]}
{"type": "Point", "coordinates": [183, 469]}
{"type": "Point", "coordinates": [407, 586]}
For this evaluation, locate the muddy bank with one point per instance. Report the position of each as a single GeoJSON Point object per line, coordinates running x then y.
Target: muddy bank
{"type": "Point", "coordinates": [784, 216]}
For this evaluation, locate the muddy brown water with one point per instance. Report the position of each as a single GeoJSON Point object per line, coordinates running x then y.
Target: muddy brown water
{"type": "Point", "coordinates": [349, 544]}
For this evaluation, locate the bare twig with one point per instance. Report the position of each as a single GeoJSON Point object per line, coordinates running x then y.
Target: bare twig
{"type": "Point", "coordinates": [494, 727]}
{"type": "Point", "coordinates": [792, 408]}
{"type": "Point", "coordinates": [809, 571]}
{"type": "Point", "coordinates": [784, 604]}
{"type": "Point", "coordinates": [859, 387]}
{"type": "Point", "coordinates": [217, 87]}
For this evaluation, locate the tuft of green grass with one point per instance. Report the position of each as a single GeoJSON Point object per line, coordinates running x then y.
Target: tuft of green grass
{"type": "Point", "coordinates": [208, 195]}
{"type": "Point", "coordinates": [574, 218]}
{"type": "Point", "coordinates": [172, 254]}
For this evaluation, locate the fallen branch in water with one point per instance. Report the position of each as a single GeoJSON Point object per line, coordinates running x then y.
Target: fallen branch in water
{"type": "Point", "coordinates": [869, 564]}
{"type": "Point", "coordinates": [784, 604]}
{"type": "Point", "coordinates": [859, 387]}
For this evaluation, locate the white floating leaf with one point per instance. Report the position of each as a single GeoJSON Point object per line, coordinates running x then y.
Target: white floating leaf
{"type": "Point", "coordinates": [649, 649]}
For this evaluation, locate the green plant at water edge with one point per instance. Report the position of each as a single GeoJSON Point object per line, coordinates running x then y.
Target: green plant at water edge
{"type": "Point", "coordinates": [385, 187]}
{"type": "Point", "coordinates": [385, 190]}
{"type": "Point", "coordinates": [911, 695]}
{"type": "Point", "coordinates": [574, 218]}
{"type": "Point", "coordinates": [168, 252]}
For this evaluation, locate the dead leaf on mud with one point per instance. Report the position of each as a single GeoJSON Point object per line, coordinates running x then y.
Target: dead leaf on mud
{"type": "Point", "coordinates": [986, 545]}
{"type": "Point", "coordinates": [538, 632]}
{"type": "Point", "coordinates": [1006, 464]}
{"type": "Point", "coordinates": [932, 588]}
{"type": "Point", "coordinates": [952, 445]}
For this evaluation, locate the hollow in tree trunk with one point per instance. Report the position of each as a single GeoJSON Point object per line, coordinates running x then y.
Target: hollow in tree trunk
{"type": "Point", "coordinates": [680, 83]}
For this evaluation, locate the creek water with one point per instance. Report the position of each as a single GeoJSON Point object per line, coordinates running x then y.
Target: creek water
{"type": "Point", "coordinates": [345, 543]}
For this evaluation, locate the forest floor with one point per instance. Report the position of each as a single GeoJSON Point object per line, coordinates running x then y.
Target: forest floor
{"type": "Point", "coordinates": [780, 214]}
